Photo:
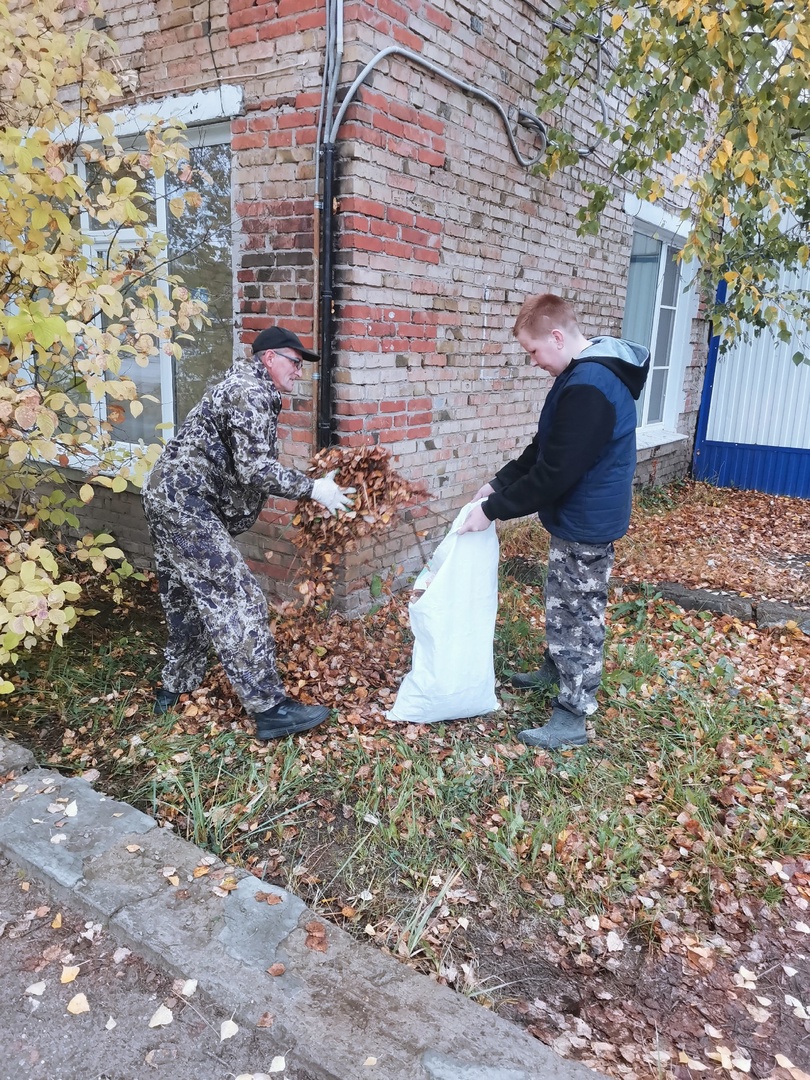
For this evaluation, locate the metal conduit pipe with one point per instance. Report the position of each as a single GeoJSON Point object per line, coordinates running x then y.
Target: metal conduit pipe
{"type": "Point", "coordinates": [333, 59]}
{"type": "Point", "coordinates": [337, 60]}
{"type": "Point", "coordinates": [599, 41]}
{"type": "Point", "coordinates": [525, 119]}
{"type": "Point", "coordinates": [329, 151]}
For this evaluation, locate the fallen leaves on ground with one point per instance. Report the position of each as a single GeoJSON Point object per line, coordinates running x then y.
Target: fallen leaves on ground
{"type": "Point", "coordinates": [78, 1005]}
{"type": "Point", "coordinates": [316, 936]}
{"type": "Point", "coordinates": [161, 1017]}
{"type": "Point", "coordinates": [227, 1030]}
{"type": "Point", "coordinates": [718, 538]}
{"type": "Point", "coordinates": [634, 904]}
{"type": "Point", "coordinates": [269, 898]}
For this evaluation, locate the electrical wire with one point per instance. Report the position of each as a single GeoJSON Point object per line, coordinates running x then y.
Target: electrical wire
{"type": "Point", "coordinates": [524, 119]}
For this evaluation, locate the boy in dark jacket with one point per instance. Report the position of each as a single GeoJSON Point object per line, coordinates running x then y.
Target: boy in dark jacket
{"type": "Point", "coordinates": [576, 475]}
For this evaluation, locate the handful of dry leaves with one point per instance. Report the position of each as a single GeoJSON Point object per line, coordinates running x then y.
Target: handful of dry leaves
{"type": "Point", "coordinates": [380, 495]}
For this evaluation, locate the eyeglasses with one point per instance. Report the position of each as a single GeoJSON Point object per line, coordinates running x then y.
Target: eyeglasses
{"type": "Point", "coordinates": [296, 361]}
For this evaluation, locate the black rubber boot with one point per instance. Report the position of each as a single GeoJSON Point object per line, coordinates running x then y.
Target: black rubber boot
{"type": "Point", "coordinates": [287, 718]}
{"type": "Point", "coordinates": [547, 678]}
{"type": "Point", "coordinates": [164, 700]}
{"type": "Point", "coordinates": [564, 728]}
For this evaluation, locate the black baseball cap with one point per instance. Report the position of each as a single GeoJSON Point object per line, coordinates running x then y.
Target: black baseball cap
{"type": "Point", "coordinates": [276, 337]}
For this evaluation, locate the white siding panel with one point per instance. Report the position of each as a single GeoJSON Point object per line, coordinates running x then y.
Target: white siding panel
{"type": "Point", "coordinates": [760, 396]}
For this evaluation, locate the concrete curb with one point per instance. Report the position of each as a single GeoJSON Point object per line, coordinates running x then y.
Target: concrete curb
{"type": "Point", "coordinates": [346, 1012]}
{"type": "Point", "coordinates": [764, 613]}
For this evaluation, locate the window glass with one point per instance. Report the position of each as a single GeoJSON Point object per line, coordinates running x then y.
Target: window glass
{"type": "Point", "coordinates": [200, 252]}
{"type": "Point", "coordinates": [129, 428]}
{"type": "Point", "coordinates": [65, 378]}
{"type": "Point", "coordinates": [653, 287]}
{"type": "Point", "coordinates": [642, 283]}
{"type": "Point", "coordinates": [145, 200]}
{"type": "Point", "coordinates": [663, 338]}
{"type": "Point", "coordinates": [656, 387]}
{"type": "Point", "coordinates": [669, 289]}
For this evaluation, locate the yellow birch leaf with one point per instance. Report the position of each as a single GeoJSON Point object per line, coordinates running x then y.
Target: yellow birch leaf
{"type": "Point", "coordinates": [125, 186]}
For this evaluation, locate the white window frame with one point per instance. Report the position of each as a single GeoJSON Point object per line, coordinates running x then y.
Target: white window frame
{"type": "Point", "coordinates": [657, 223]}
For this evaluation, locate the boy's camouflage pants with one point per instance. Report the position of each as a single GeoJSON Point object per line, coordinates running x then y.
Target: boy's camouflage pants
{"type": "Point", "coordinates": [210, 597]}
{"type": "Point", "coordinates": [576, 598]}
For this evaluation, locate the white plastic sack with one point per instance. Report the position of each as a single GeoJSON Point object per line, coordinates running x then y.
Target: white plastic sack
{"type": "Point", "coordinates": [453, 622]}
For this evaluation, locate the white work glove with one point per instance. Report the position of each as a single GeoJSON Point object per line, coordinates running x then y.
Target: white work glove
{"type": "Point", "coordinates": [330, 495]}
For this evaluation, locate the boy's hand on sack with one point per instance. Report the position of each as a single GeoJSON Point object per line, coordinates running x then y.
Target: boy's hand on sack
{"type": "Point", "coordinates": [483, 492]}
{"type": "Point", "coordinates": [475, 521]}
{"type": "Point", "coordinates": [330, 495]}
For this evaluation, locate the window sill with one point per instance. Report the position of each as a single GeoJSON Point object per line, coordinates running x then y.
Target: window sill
{"type": "Point", "coordinates": [652, 438]}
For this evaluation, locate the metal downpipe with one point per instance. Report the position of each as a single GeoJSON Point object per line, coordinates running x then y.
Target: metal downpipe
{"type": "Point", "coordinates": [325, 421]}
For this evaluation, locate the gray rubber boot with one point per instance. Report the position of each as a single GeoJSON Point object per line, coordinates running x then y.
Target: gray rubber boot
{"type": "Point", "coordinates": [564, 728]}
{"type": "Point", "coordinates": [545, 679]}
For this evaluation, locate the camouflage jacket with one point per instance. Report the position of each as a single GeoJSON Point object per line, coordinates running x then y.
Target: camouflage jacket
{"type": "Point", "coordinates": [225, 456]}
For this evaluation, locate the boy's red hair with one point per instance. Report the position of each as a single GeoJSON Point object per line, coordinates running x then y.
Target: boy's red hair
{"type": "Point", "coordinates": [546, 311]}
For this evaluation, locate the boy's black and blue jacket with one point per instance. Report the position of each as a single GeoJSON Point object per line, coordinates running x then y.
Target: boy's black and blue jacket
{"type": "Point", "coordinates": [577, 472]}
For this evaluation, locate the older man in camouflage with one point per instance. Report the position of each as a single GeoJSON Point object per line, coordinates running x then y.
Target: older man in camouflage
{"type": "Point", "coordinates": [210, 484]}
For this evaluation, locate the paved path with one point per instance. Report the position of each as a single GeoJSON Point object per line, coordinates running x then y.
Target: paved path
{"type": "Point", "coordinates": [296, 986]}
{"type": "Point", "coordinates": [40, 940]}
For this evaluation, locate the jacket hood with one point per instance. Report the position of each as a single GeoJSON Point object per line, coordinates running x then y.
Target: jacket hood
{"type": "Point", "coordinates": [626, 359]}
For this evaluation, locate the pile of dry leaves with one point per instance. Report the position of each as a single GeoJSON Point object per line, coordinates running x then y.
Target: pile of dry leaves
{"type": "Point", "coordinates": [379, 494]}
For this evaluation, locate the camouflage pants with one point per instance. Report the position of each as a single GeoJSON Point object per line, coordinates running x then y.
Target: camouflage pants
{"type": "Point", "coordinates": [576, 598]}
{"type": "Point", "coordinates": [210, 597]}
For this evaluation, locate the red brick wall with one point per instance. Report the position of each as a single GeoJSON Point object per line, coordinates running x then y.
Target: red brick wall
{"type": "Point", "coordinates": [440, 233]}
